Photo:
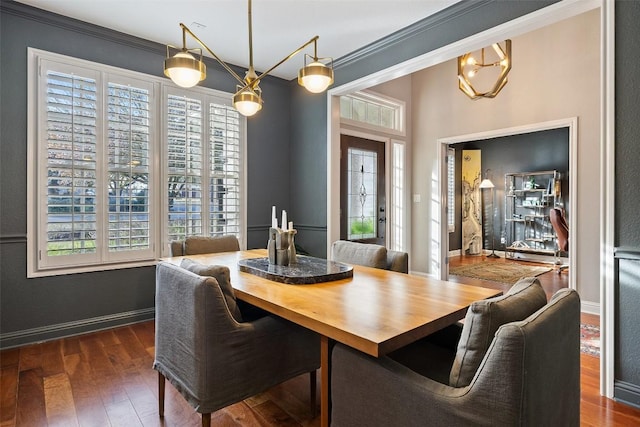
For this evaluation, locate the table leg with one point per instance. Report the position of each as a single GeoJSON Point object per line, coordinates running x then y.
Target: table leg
{"type": "Point", "coordinates": [326, 344]}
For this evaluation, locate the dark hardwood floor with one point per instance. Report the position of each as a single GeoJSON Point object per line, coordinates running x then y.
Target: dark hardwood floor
{"type": "Point", "coordinates": [105, 379]}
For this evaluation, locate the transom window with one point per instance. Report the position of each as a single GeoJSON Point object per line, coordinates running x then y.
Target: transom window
{"type": "Point", "coordinates": [110, 150]}
{"type": "Point", "coordinates": [373, 110]}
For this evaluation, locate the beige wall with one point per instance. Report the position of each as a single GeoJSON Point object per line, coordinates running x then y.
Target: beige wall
{"type": "Point", "coordinates": [555, 75]}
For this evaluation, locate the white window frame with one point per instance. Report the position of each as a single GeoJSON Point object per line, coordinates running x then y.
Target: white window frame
{"type": "Point", "coordinates": [398, 210]}
{"type": "Point", "coordinates": [103, 259]}
{"type": "Point", "coordinates": [376, 99]}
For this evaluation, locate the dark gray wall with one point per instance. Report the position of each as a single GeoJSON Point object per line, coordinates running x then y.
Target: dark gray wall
{"type": "Point", "coordinates": [36, 309]}
{"type": "Point", "coordinates": [530, 152]}
{"type": "Point", "coordinates": [627, 196]}
{"type": "Point", "coordinates": [308, 115]}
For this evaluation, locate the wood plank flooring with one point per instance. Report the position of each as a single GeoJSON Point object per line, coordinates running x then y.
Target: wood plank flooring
{"type": "Point", "coordinates": [106, 379]}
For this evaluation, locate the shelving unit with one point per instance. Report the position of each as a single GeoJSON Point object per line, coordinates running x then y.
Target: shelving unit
{"type": "Point", "coordinates": [528, 198]}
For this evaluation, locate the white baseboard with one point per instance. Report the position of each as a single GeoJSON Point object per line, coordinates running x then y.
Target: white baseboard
{"type": "Point", "coordinates": [590, 307]}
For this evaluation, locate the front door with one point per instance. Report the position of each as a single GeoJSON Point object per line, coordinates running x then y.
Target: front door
{"type": "Point", "coordinates": [362, 190]}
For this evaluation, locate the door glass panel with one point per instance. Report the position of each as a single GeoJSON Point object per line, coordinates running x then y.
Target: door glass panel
{"type": "Point", "coordinates": [362, 200]}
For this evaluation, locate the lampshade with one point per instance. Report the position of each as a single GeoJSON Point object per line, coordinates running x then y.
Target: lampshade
{"type": "Point", "coordinates": [184, 69]}
{"type": "Point", "coordinates": [247, 102]}
{"type": "Point", "coordinates": [486, 183]}
{"type": "Point", "coordinates": [315, 77]}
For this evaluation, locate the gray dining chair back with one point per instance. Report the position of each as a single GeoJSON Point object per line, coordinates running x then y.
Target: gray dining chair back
{"type": "Point", "coordinates": [194, 245]}
{"type": "Point", "coordinates": [369, 255]}
{"type": "Point", "coordinates": [214, 360]}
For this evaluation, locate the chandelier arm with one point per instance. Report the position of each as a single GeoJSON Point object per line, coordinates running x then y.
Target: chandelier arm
{"type": "Point", "coordinates": [220, 61]}
{"type": "Point", "coordinates": [250, 37]}
{"type": "Point", "coordinates": [288, 57]}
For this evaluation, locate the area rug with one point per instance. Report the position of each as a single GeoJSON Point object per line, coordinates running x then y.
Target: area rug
{"type": "Point", "coordinates": [590, 340]}
{"type": "Point", "coordinates": [501, 272]}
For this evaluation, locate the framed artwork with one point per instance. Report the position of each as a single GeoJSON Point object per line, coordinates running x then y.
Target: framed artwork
{"type": "Point", "coordinates": [471, 204]}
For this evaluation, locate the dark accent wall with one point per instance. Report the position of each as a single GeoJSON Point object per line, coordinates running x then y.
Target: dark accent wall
{"type": "Point", "coordinates": [42, 308]}
{"type": "Point", "coordinates": [627, 205]}
{"type": "Point", "coordinates": [309, 113]}
{"type": "Point", "coordinates": [529, 152]}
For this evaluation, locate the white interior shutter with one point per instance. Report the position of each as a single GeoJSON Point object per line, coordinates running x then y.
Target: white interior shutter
{"type": "Point", "coordinates": [184, 147]}
{"type": "Point", "coordinates": [128, 176]}
{"type": "Point", "coordinates": [224, 170]}
{"type": "Point", "coordinates": [68, 134]}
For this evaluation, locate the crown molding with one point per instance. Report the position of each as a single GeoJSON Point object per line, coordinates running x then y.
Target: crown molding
{"type": "Point", "coordinates": [411, 31]}
{"type": "Point", "coordinates": [71, 24]}
{"type": "Point", "coordinates": [107, 34]}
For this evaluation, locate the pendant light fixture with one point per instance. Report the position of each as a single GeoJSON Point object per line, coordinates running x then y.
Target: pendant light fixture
{"type": "Point", "coordinates": [469, 68]}
{"type": "Point", "coordinates": [187, 70]}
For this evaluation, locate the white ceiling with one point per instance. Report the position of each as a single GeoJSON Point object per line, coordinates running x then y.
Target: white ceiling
{"type": "Point", "coordinates": [279, 26]}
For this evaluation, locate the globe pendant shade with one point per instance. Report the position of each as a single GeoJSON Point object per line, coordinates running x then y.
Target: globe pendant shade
{"type": "Point", "coordinates": [247, 103]}
{"type": "Point", "coordinates": [315, 77]}
{"type": "Point", "coordinates": [184, 70]}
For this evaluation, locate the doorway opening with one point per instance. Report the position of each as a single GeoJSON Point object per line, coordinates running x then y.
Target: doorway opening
{"type": "Point", "coordinates": [445, 144]}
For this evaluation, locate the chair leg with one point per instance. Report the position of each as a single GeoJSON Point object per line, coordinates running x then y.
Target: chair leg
{"type": "Point", "coordinates": [312, 393]}
{"type": "Point", "coordinates": [206, 420]}
{"type": "Point", "coordinates": [161, 382]}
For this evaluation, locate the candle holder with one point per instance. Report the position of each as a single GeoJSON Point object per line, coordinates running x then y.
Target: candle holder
{"type": "Point", "coordinates": [281, 247]}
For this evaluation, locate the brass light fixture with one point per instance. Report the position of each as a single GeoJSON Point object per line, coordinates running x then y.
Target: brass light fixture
{"type": "Point", "coordinates": [186, 70]}
{"type": "Point", "coordinates": [470, 67]}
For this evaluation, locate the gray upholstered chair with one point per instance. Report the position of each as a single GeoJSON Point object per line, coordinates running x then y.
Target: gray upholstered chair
{"type": "Point", "coordinates": [528, 376]}
{"type": "Point", "coordinates": [194, 245]}
{"type": "Point", "coordinates": [213, 358]}
{"type": "Point", "coordinates": [369, 255]}
{"type": "Point", "coordinates": [397, 261]}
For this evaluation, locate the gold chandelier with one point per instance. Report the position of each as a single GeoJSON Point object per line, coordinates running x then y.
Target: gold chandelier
{"type": "Point", "coordinates": [469, 67]}
{"type": "Point", "coordinates": [186, 71]}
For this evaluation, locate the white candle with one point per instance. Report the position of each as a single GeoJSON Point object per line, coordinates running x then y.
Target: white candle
{"type": "Point", "coordinates": [284, 220]}
{"type": "Point", "coordinates": [290, 225]}
{"type": "Point", "coordinates": [274, 219]}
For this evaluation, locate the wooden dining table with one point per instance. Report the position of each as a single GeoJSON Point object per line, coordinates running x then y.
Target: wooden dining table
{"type": "Point", "coordinates": [375, 311]}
